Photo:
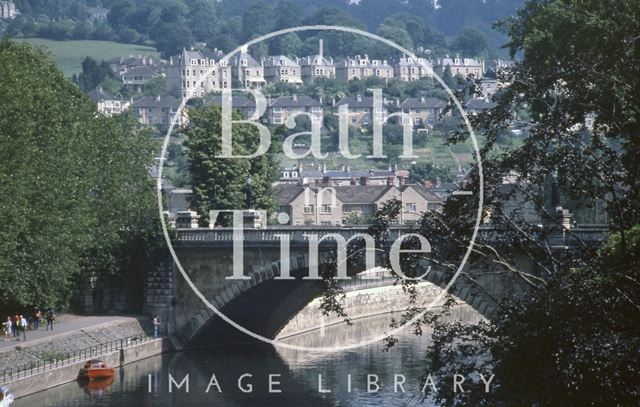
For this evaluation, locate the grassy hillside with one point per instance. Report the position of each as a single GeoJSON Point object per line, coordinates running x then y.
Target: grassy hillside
{"type": "Point", "coordinates": [69, 54]}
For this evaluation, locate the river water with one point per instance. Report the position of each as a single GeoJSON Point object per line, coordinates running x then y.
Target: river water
{"type": "Point", "coordinates": [304, 379]}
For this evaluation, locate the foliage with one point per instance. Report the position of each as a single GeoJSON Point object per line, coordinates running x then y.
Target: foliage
{"type": "Point", "coordinates": [75, 186]}
{"type": "Point", "coordinates": [220, 183]}
{"type": "Point", "coordinates": [93, 74]}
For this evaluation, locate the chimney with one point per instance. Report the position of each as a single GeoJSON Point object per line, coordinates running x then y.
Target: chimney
{"type": "Point", "coordinates": [348, 167]}
{"type": "Point", "coordinates": [395, 167]}
{"type": "Point", "coordinates": [158, 98]}
{"type": "Point", "coordinates": [320, 48]}
{"type": "Point", "coordinates": [353, 181]}
{"type": "Point", "coordinates": [359, 98]}
{"type": "Point", "coordinates": [324, 167]}
{"type": "Point", "coordinates": [390, 181]}
{"type": "Point", "coordinates": [437, 182]}
{"type": "Point", "coordinates": [364, 180]}
{"type": "Point", "coordinates": [321, 100]}
{"type": "Point", "coordinates": [427, 184]}
{"type": "Point", "coordinates": [422, 99]}
{"type": "Point", "coordinates": [397, 102]}
{"type": "Point", "coordinates": [342, 167]}
{"type": "Point", "coordinates": [294, 97]}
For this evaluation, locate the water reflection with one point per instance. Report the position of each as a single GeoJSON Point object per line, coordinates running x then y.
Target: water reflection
{"type": "Point", "coordinates": [300, 376]}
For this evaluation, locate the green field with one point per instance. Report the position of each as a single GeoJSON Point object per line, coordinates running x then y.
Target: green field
{"type": "Point", "coordinates": [69, 54]}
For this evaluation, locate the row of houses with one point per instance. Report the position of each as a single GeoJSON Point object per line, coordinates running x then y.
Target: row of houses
{"type": "Point", "coordinates": [160, 110]}
{"type": "Point", "coordinates": [346, 204]}
{"type": "Point", "coordinates": [195, 73]}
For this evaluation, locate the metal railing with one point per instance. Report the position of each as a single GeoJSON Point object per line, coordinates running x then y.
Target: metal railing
{"type": "Point", "coordinates": [69, 358]}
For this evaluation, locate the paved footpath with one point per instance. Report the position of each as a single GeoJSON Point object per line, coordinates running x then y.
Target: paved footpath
{"type": "Point", "coordinates": [64, 323]}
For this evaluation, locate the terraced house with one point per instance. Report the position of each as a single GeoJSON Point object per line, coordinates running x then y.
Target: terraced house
{"type": "Point", "coordinates": [246, 70]}
{"type": "Point", "coordinates": [196, 73]}
{"type": "Point", "coordinates": [350, 204]}
{"type": "Point", "coordinates": [284, 107]}
{"type": "Point", "coordinates": [361, 67]}
{"type": "Point", "coordinates": [281, 68]}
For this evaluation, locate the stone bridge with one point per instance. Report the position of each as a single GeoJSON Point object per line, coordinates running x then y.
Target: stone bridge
{"type": "Point", "coordinates": [264, 304]}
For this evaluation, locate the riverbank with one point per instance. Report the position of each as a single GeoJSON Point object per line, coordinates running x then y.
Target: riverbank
{"type": "Point", "coordinates": [56, 359]}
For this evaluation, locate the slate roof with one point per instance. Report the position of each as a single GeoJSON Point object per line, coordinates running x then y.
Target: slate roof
{"type": "Point", "coordinates": [360, 194]}
{"type": "Point", "coordinates": [143, 71]}
{"type": "Point", "coordinates": [285, 193]}
{"type": "Point", "coordinates": [426, 194]}
{"type": "Point", "coordinates": [312, 60]}
{"type": "Point", "coordinates": [279, 60]}
{"type": "Point", "coordinates": [296, 101]}
{"type": "Point", "coordinates": [251, 62]}
{"type": "Point", "coordinates": [363, 102]}
{"type": "Point", "coordinates": [159, 102]}
{"type": "Point", "coordinates": [349, 194]}
{"type": "Point", "coordinates": [423, 103]}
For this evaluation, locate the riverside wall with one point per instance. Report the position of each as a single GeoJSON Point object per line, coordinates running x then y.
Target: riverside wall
{"type": "Point", "coordinates": [75, 340]}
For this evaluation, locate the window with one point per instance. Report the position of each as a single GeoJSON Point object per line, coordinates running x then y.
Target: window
{"type": "Point", "coordinates": [410, 207]}
{"type": "Point", "coordinates": [294, 174]}
{"type": "Point", "coordinates": [326, 208]}
{"type": "Point", "coordinates": [325, 223]}
{"type": "Point", "coordinates": [347, 208]}
{"type": "Point", "coordinates": [285, 174]}
{"type": "Point", "coordinates": [308, 209]}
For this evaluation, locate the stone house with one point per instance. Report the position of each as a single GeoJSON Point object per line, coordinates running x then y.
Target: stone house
{"type": "Point", "coordinates": [285, 106]}
{"type": "Point", "coordinates": [158, 110]}
{"type": "Point", "coordinates": [136, 77]}
{"type": "Point", "coordinates": [361, 67]}
{"type": "Point", "coordinates": [108, 104]}
{"type": "Point", "coordinates": [196, 73]}
{"type": "Point", "coordinates": [423, 111]}
{"type": "Point", "coordinates": [309, 175]}
{"type": "Point", "coordinates": [411, 69]}
{"type": "Point", "coordinates": [361, 110]}
{"type": "Point", "coordinates": [460, 66]}
{"type": "Point", "coordinates": [337, 206]}
{"type": "Point", "coordinates": [281, 68]}
{"type": "Point", "coordinates": [246, 70]}
{"type": "Point", "coordinates": [316, 66]}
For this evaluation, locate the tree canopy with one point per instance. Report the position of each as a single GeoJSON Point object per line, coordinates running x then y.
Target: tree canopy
{"type": "Point", "coordinates": [74, 184]}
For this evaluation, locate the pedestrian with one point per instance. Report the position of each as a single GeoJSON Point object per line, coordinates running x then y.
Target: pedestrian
{"type": "Point", "coordinates": [8, 327]}
{"type": "Point", "coordinates": [50, 318]}
{"type": "Point", "coordinates": [156, 322]}
{"type": "Point", "coordinates": [16, 326]}
{"type": "Point", "coordinates": [23, 327]}
{"type": "Point", "coordinates": [37, 316]}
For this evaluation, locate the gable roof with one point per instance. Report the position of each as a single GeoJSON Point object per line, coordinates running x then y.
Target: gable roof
{"type": "Point", "coordinates": [157, 102]}
{"type": "Point", "coordinates": [286, 193]}
{"type": "Point", "coordinates": [237, 101]}
{"type": "Point", "coordinates": [423, 103]}
{"type": "Point", "coordinates": [140, 71]}
{"type": "Point", "coordinates": [357, 102]}
{"type": "Point", "coordinates": [420, 189]}
{"type": "Point", "coordinates": [279, 60]}
{"type": "Point", "coordinates": [295, 101]}
{"type": "Point", "coordinates": [251, 62]}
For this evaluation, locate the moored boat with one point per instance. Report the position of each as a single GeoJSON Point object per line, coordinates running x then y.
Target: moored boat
{"type": "Point", "coordinates": [96, 370]}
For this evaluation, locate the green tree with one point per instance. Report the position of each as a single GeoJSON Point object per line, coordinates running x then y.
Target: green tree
{"type": "Point", "coordinates": [471, 43]}
{"type": "Point", "coordinates": [73, 183]}
{"type": "Point", "coordinates": [221, 183]}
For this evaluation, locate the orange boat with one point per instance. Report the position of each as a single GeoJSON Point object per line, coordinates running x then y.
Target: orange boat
{"type": "Point", "coordinates": [96, 370]}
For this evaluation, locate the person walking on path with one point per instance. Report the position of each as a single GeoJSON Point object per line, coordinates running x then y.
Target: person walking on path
{"type": "Point", "coordinates": [37, 315]}
{"type": "Point", "coordinates": [16, 325]}
{"type": "Point", "coordinates": [50, 318]}
{"type": "Point", "coordinates": [8, 327]}
{"type": "Point", "coordinates": [156, 322]}
{"type": "Point", "coordinates": [23, 327]}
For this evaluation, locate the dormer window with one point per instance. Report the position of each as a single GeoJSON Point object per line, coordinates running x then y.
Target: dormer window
{"type": "Point", "coordinates": [243, 62]}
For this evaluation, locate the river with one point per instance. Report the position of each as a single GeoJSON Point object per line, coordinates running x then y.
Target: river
{"type": "Point", "coordinates": [303, 378]}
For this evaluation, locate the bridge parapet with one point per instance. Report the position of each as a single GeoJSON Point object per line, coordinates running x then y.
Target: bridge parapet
{"type": "Point", "coordinates": [591, 234]}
